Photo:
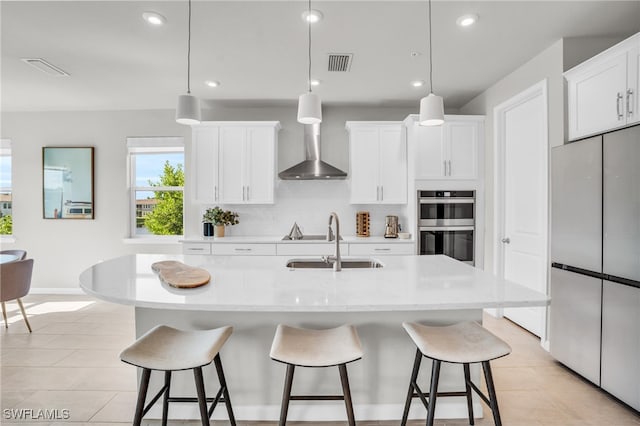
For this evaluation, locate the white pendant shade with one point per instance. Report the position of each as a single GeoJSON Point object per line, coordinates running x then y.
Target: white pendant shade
{"type": "Point", "coordinates": [309, 109]}
{"type": "Point", "coordinates": [431, 110]}
{"type": "Point", "coordinates": [188, 111]}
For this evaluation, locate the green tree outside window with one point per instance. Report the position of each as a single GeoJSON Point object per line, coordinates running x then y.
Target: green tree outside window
{"type": "Point", "coordinates": [166, 217]}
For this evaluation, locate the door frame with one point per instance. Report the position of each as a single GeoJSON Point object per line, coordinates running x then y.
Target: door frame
{"type": "Point", "coordinates": [499, 114]}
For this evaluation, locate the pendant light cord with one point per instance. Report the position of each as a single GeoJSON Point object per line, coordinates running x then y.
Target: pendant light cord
{"type": "Point", "coordinates": [309, 47]}
{"type": "Point", "coordinates": [189, 53]}
{"type": "Point", "coordinates": [430, 54]}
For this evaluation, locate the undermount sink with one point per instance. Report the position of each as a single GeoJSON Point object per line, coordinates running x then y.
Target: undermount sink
{"type": "Point", "coordinates": [323, 264]}
{"type": "Point", "coordinates": [307, 238]}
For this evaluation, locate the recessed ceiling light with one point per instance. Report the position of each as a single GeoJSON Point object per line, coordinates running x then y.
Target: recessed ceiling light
{"type": "Point", "coordinates": [212, 83]}
{"type": "Point", "coordinates": [467, 20]}
{"type": "Point", "coordinates": [154, 18]}
{"type": "Point", "coordinates": [312, 16]}
{"type": "Point", "coordinates": [315, 82]}
{"type": "Point", "coordinates": [417, 83]}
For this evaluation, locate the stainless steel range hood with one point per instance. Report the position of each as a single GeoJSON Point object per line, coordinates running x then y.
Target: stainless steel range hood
{"type": "Point", "coordinates": [313, 168]}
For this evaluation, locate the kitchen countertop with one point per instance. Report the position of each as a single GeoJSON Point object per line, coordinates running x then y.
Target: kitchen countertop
{"type": "Point", "coordinates": [272, 239]}
{"type": "Point", "coordinates": [264, 283]}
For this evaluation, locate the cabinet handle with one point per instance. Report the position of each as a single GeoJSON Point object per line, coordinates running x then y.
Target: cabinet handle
{"type": "Point", "coordinates": [381, 193]}
{"type": "Point", "coordinates": [444, 163]}
{"type": "Point", "coordinates": [195, 249]}
{"type": "Point", "coordinates": [215, 193]}
{"type": "Point", "coordinates": [243, 192]}
{"type": "Point", "coordinates": [629, 103]}
{"type": "Point", "coordinates": [449, 167]}
{"type": "Point", "coordinates": [618, 102]}
{"type": "Point", "coordinates": [377, 193]}
{"type": "Point", "coordinates": [242, 249]}
{"type": "Point", "coordinates": [247, 192]}
{"type": "Point", "coordinates": [381, 249]}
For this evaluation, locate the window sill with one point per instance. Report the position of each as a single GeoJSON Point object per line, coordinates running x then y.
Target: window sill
{"type": "Point", "coordinates": [154, 241]}
{"type": "Point", "coordinates": [7, 239]}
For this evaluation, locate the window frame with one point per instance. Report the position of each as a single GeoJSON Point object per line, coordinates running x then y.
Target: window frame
{"type": "Point", "coordinates": [152, 145]}
{"type": "Point", "coordinates": [6, 151]}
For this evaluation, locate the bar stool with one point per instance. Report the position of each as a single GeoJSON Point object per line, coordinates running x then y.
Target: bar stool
{"type": "Point", "coordinates": [462, 343]}
{"type": "Point", "coordinates": [316, 348]}
{"type": "Point", "coordinates": [168, 349]}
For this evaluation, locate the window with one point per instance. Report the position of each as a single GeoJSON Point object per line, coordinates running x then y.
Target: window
{"type": "Point", "coordinates": [156, 185]}
{"type": "Point", "coordinates": [6, 201]}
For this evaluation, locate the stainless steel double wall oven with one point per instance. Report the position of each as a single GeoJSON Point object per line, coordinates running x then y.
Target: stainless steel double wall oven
{"type": "Point", "coordinates": [446, 223]}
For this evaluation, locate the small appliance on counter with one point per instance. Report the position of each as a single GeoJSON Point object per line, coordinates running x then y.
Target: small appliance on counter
{"type": "Point", "coordinates": [391, 227]}
{"type": "Point", "coordinates": [362, 224]}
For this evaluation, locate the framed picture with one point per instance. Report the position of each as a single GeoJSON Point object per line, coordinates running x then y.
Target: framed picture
{"type": "Point", "coordinates": [67, 183]}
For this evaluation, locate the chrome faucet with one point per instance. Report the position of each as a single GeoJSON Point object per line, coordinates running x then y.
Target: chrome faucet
{"type": "Point", "coordinates": [337, 265]}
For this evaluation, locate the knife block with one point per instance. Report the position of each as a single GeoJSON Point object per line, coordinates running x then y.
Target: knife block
{"type": "Point", "coordinates": [362, 224]}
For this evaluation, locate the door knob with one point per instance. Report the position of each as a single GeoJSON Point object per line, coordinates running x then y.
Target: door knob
{"type": "Point", "coordinates": [506, 240]}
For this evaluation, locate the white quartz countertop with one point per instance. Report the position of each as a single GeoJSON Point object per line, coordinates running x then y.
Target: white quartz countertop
{"type": "Point", "coordinates": [272, 239]}
{"type": "Point", "coordinates": [264, 283]}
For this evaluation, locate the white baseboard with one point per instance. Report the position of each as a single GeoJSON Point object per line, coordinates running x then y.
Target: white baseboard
{"type": "Point", "coordinates": [57, 290]}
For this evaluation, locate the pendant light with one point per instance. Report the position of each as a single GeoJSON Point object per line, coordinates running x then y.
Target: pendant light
{"type": "Point", "coordinates": [431, 106]}
{"type": "Point", "coordinates": [188, 111]}
{"type": "Point", "coordinates": [309, 105]}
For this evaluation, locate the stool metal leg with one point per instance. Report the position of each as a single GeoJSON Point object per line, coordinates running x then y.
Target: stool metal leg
{"type": "Point", "coordinates": [165, 401]}
{"type": "Point", "coordinates": [142, 396]}
{"type": "Point", "coordinates": [433, 391]}
{"type": "Point", "coordinates": [286, 394]}
{"type": "Point", "coordinates": [346, 391]}
{"type": "Point", "coordinates": [492, 393]}
{"type": "Point", "coordinates": [467, 379]}
{"type": "Point", "coordinates": [225, 391]}
{"type": "Point", "coordinates": [202, 396]}
{"type": "Point", "coordinates": [414, 377]}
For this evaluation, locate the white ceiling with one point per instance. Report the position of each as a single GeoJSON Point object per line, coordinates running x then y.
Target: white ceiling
{"type": "Point", "coordinates": [257, 50]}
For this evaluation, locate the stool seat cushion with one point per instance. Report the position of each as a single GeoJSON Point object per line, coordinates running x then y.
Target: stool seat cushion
{"type": "Point", "coordinates": [465, 342]}
{"type": "Point", "coordinates": [316, 348]}
{"type": "Point", "coordinates": [166, 348]}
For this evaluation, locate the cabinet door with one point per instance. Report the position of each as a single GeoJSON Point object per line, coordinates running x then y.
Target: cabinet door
{"type": "Point", "coordinates": [204, 152]}
{"type": "Point", "coordinates": [365, 160]}
{"type": "Point", "coordinates": [621, 342]}
{"type": "Point", "coordinates": [597, 97]}
{"type": "Point", "coordinates": [393, 166]}
{"type": "Point", "coordinates": [231, 176]}
{"type": "Point", "coordinates": [574, 329]}
{"type": "Point", "coordinates": [462, 149]}
{"type": "Point", "coordinates": [621, 203]}
{"type": "Point", "coordinates": [260, 165]}
{"type": "Point", "coordinates": [633, 85]}
{"type": "Point", "coordinates": [429, 152]}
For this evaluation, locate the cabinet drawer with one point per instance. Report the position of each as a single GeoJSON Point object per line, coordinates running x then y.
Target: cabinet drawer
{"type": "Point", "coordinates": [196, 248]}
{"type": "Point", "coordinates": [295, 249]}
{"type": "Point", "coordinates": [244, 249]}
{"type": "Point", "coordinates": [380, 249]}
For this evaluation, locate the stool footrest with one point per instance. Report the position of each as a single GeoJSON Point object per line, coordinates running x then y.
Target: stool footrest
{"type": "Point", "coordinates": [155, 398]}
{"type": "Point", "coordinates": [424, 395]}
{"type": "Point", "coordinates": [316, 397]}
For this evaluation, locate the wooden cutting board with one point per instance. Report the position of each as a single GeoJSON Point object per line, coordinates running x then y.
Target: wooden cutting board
{"type": "Point", "coordinates": [179, 275]}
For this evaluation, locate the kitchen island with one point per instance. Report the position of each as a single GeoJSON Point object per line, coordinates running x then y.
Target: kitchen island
{"type": "Point", "coordinates": [255, 293]}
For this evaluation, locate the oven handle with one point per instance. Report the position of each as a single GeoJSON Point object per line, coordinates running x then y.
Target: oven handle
{"type": "Point", "coordinates": [446, 200]}
{"type": "Point", "coordinates": [446, 228]}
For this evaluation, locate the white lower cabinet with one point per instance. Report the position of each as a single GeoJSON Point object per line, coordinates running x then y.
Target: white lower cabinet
{"type": "Point", "coordinates": [319, 249]}
{"type": "Point", "coordinates": [244, 249]}
{"type": "Point", "coordinates": [621, 342]}
{"type": "Point", "coordinates": [369, 249]}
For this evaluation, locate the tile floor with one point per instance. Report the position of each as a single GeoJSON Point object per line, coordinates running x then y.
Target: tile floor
{"type": "Point", "coordinates": [71, 361]}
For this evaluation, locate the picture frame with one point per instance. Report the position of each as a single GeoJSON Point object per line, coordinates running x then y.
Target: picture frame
{"type": "Point", "coordinates": [67, 183]}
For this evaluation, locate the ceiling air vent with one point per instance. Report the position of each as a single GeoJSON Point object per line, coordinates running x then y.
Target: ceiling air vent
{"type": "Point", "coordinates": [45, 67]}
{"type": "Point", "coordinates": [340, 62]}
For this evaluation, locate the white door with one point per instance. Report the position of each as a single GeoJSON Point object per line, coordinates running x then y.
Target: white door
{"type": "Point", "coordinates": [522, 146]}
{"type": "Point", "coordinates": [393, 166]}
{"type": "Point", "coordinates": [260, 161]}
{"type": "Point", "coordinates": [364, 158]}
{"type": "Point", "coordinates": [231, 176]}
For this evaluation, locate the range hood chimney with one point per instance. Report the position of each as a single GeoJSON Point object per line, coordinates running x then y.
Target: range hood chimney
{"type": "Point", "coordinates": [312, 168]}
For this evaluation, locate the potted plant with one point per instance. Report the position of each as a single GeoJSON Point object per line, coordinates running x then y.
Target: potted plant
{"type": "Point", "coordinates": [217, 219]}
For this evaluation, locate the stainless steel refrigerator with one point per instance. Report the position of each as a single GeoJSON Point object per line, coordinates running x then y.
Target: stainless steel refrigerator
{"type": "Point", "coordinates": [595, 254]}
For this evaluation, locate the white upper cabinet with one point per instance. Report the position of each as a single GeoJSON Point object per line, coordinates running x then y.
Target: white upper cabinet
{"type": "Point", "coordinates": [602, 92]}
{"type": "Point", "coordinates": [449, 151]}
{"type": "Point", "coordinates": [378, 159]}
{"type": "Point", "coordinates": [239, 168]}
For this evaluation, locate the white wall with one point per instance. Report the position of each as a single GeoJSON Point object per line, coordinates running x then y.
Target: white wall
{"type": "Point", "coordinates": [64, 248]}
{"type": "Point", "coordinates": [548, 64]}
